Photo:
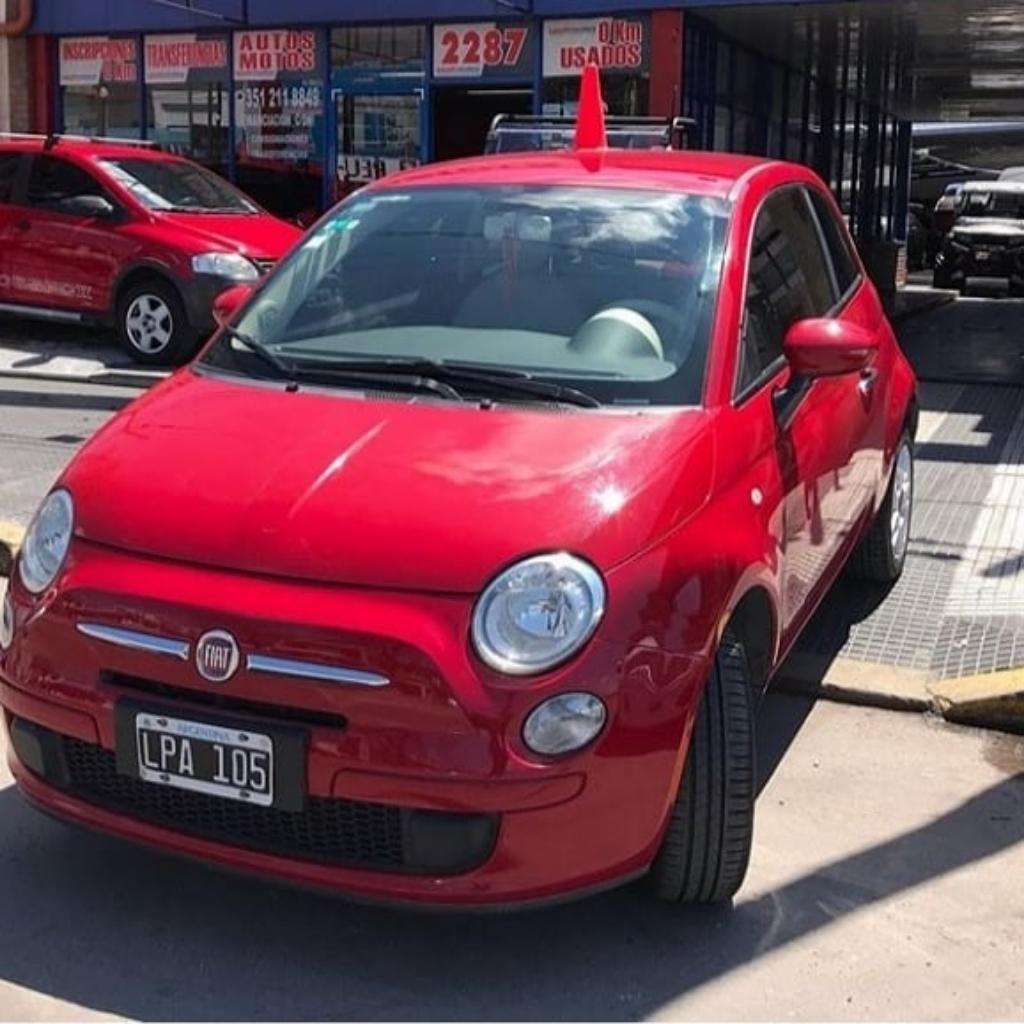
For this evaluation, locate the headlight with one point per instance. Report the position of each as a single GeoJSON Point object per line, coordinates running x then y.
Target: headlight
{"type": "Point", "coordinates": [537, 614]}
{"type": "Point", "coordinates": [228, 265]}
{"type": "Point", "coordinates": [46, 542]}
{"type": "Point", "coordinates": [564, 723]}
{"type": "Point", "coordinates": [6, 621]}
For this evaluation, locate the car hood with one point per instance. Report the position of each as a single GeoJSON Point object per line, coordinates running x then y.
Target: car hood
{"type": "Point", "coordinates": [413, 494]}
{"type": "Point", "coordinates": [256, 234]}
{"type": "Point", "coordinates": [989, 227]}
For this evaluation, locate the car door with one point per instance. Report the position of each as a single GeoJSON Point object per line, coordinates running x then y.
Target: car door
{"type": "Point", "coordinates": [64, 261]}
{"type": "Point", "coordinates": [820, 426]}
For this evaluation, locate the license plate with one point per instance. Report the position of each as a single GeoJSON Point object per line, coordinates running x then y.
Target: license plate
{"type": "Point", "coordinates": [223, 757]}
{"type": "Point", "coordinates": [231, 763]}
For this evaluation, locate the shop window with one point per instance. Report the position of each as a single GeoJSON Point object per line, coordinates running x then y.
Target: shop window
{"type": "Point", "coordinates": [621, 47]}
{"type": "Point", "coordinates": [400, 48]}
{"type": "Point", "coordinates": [279, 119]}
{"type": "Point", "coordinates": [377, 135]}
{"type": "Point", "coordinates": [188, 96]}
{"type": "Point", "coordinates": [99, 83]}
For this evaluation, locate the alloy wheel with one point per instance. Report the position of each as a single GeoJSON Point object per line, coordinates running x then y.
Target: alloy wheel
{"type": "Point", "coordinates": [902, 497]}
{"type": "Point", "coordinates": [149, 324]}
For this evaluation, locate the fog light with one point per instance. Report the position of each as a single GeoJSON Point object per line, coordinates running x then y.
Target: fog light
{"type": "Point", "coordinates": [564, 723]}
{"type": "Point", "coordinates": [6, 621]}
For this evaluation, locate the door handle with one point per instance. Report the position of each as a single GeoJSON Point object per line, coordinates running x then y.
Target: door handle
{"type": "Point", "coordinates": [868, 376]}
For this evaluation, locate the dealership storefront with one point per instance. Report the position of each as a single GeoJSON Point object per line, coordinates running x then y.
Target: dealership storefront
{"type": "Point", "coordinates": [299, 114]}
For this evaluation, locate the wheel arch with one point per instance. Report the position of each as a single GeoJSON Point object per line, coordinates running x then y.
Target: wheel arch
{"type": "Point", "coordinates": [753, 615]}
{"type": "Point", "coordinates": [141, 271]}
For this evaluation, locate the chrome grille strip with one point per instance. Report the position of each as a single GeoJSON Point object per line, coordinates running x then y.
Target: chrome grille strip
{"type": "Point", "coordinates": [135, 641]}
{"type": "Point", "coordinates": [311, 670]}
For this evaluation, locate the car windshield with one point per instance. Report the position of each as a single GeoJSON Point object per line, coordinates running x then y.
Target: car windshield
{"type": "Point", "coordinates": [997, 205]}
{"type": "Point", "coordinates": [607, 291]}
{"type": "Point", "coordinates": [176, 185]}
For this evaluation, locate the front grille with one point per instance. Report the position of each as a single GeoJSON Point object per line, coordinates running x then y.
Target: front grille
{"type": "Point", "coordinates": [263, 711]}
{"type": "Point", "coordinates": [328, 831]}
{"type": "Point", "coordinates": [349, 833]}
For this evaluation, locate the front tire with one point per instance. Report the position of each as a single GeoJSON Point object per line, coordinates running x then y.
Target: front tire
{"type": "Point", "coordinates": [882, 553]}
{"type": "Point", "coordinates": [153, 326]}
{"type": "Point", "coordinates": [706, 849]}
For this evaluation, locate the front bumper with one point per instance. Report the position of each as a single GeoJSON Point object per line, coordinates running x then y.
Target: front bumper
{"type": "Point", "coordinates": [993, 261]}
{"type": "Point", "coordinates": [438, 748]}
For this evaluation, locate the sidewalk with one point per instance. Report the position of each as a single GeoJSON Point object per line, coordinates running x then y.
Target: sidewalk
{"type": "Point", "coordinates": [67, 352]}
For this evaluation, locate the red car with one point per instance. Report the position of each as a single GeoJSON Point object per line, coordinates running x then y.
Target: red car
{"type": "Point", "coordinates": [94, 230]}
{"type": "Point", "coordinates": [453, 568]}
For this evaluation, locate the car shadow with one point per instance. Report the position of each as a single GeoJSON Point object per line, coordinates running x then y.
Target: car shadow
{"type": "Point", "coordinates": [124, 930]}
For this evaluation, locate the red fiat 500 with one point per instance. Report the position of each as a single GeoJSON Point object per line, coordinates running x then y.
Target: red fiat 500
{"type": "Point", "coordinates": [452, 569]}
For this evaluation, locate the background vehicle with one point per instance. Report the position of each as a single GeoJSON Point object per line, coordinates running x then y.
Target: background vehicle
{"type": "Point", "coordinates": [557, 455]}
{"type": "Point", "coordinates": [127, 235]}
{"type": "Point", "coordinates": [987, 237]}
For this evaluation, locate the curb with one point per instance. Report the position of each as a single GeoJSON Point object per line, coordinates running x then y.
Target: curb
{"type": "Point", "coordinates": [928, 301]}
{"type": "Point", "coordinates": [10, 539]}
{"type": "Point", "coordinates": [846, 681]}
{"type": "Point", "coordinates": [141, 379]}
{"type": "Point", "coordinates": [994, 700]}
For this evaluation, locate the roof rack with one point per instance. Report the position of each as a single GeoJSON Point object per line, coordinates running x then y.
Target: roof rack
{"type": "Point", "coordinates": [510, 133]}
{"type": "Point", "coordinates": [51, 140]}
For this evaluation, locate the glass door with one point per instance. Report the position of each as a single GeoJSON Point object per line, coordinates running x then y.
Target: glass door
{"type": "Point", "coordinates": [377, 134]}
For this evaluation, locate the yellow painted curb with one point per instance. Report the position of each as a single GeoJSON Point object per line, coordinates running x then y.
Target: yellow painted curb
{"type": "Point", "coordinates": [995, 699]}
{"type": "Point", "coordinates": [11, 535]}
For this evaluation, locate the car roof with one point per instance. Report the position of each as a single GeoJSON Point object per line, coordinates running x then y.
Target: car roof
{"type": "Point", "coordinates": [101, 148]}
{"type": "Point", "coordinates": [692, 171]}
{"type": "Point", "coordinates": [1009, 186]}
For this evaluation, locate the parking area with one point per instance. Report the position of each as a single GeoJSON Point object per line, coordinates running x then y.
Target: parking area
{"type": "Point", "coordinates": [958, 611]}
{"type": "Point", "coordinates": [884, 884]}
{"type": "Point", "coordinates": [885, 874]}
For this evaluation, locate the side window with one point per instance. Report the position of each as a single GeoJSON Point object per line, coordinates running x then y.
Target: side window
{"type": "Point", "coordinates": [9, 164]}
{"type": "Point", "coordinates": [53, 179]}
{"type": "Point", "coordinates": [837, 239]}
{"type": "Point", "coordinates": [788, 279]}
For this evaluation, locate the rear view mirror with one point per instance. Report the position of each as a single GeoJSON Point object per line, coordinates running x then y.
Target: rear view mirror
{"type": "Point", "coordinates": [230, 301]}
{"type": "Point", "coordinates": [828, 348]}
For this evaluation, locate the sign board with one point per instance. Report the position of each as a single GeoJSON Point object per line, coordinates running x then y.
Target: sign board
{"type": "Point", "coordinates": [279, 96]}
{"type": "Point", "coordinates": [484, 50]}
{"type": "Point", "coordinates": [613, 44]}
{"type": "Point", "coordinates": [175, 59]}
{"type": "Point", "coordinates": [92, 60]}
{"type": "Point", "coordinates": [262, 56]}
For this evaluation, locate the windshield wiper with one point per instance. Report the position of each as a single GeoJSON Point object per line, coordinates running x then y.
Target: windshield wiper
{"type": "Point", "coordinates": [374, 374]}
{"type": "Point", "coordinates": [512, 382]}
{"type": "Point", "coordinates": [259, 349]}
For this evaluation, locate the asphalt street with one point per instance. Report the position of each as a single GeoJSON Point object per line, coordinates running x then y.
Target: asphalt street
{"type": "Point", "coordinates": [885, 883]}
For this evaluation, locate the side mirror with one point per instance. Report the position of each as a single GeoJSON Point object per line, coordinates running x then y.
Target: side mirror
{"type": "Point", "coordinates": [230, 301]}
{"type": "Point", "coordinates": [828, 348]}
{"type": "Point", "coordinates": [87, 206]}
